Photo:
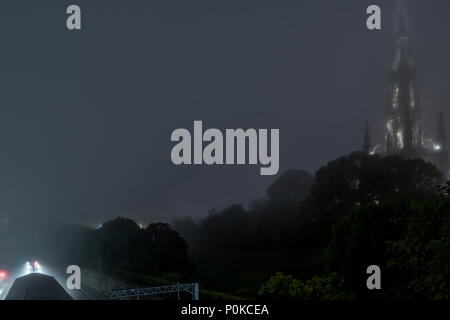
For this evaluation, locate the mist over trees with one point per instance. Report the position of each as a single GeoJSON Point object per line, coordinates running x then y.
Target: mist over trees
{"type": "Point", "coordinates": [358, 210]}
{"type": "Point", "coordinates": [269, 222]}
{"type": "Point", "coordinates": [310, 237]}
{"type": "Point", "coordinates": [120, 244]}
{"type": "Point", "coordinates": [299, 210]}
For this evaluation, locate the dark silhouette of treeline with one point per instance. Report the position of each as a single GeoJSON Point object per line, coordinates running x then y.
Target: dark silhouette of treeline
{"type": "Point", "coordinates": [270, 223]}
{"type": "Point", "coordinates": [120, 245]}
{"type": "Point", "coordinates": [311, 237]}
{"type": "Point", "coordinates": [357, 211]}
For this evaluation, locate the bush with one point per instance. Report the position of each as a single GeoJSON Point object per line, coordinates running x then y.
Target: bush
{"type": "Point", "coordinates": [328, 287]}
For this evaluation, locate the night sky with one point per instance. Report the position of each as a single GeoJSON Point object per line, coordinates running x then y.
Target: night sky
{"type": "Point", "coordinates": [86, 116]}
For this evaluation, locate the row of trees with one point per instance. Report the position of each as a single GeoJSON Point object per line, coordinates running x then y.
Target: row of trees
{"type": "Point", "coordinates": [358, 210]}
{"type": "Point", "coordinates": [270, 223]}
{"type": "Point", "coordinates": [122, 244]}
{"type": "Point", "coordinates": [410, 241]}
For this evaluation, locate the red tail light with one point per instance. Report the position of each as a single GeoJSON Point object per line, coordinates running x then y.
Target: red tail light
{"type": "Point", "coordinates": [3, 275]}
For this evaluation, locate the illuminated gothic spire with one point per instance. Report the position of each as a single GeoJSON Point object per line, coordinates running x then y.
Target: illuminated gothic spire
{"type": "Point", "coordinates": [403, 128]}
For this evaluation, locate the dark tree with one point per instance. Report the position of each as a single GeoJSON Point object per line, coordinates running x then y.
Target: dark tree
{"type": "Point", "coordinates": [160, 249]}
{"type": "Point", "coordinates": [358, 179]}
{"type": "Point", "coordinates": [188, 229]}
{"type": "Point", "coordinates": [291, 186]}
{"type": "Point", "coordinates": [409, 241]}
{"type": "Point", "coordinates": [117, 239]}
{"type": "Point", "coordinates": [228, 229]}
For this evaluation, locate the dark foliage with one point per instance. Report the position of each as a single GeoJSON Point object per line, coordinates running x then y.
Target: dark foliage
{"type": "Point", "coordinates": [360, 210]}
{"type": "Point", "coordinates": [122, 244]}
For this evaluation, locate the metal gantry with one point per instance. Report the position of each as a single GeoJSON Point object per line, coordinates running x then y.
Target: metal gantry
{"type": "Point", "coordinates": [191, 288]}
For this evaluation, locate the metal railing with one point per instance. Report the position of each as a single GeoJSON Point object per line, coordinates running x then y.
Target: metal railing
{"type": "Point", "coordinates": [191, 288]}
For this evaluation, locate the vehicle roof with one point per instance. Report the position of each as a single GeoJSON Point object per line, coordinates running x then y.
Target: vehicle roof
{"type": "Point", "coordinates": [37, 286]}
